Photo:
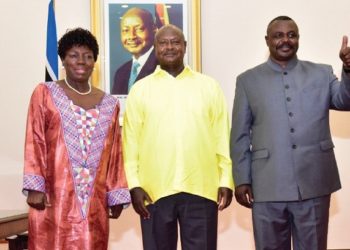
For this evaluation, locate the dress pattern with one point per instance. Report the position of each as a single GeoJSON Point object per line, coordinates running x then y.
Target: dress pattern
{"type": "Point", "coordinates": [83, 177]}
{"type": "Point", "coordinates": [84, 155]}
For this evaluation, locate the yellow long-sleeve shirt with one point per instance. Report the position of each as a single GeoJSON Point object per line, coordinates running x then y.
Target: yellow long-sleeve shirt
{"type": "Point", "coordinates": [176, 135]}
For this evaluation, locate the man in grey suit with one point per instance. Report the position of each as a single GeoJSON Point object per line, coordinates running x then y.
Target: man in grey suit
{"type": "Point", "coordinates": [284, 166]}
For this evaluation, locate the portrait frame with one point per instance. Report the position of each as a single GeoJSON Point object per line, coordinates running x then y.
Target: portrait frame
{"type": "Point", "coordinates": [99, 9]}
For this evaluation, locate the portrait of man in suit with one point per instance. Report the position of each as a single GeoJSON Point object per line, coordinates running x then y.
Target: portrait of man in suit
{"type": "Point", "coordinates": [129, 36]}
{"type": "Point", "coordinates": [137, 29]}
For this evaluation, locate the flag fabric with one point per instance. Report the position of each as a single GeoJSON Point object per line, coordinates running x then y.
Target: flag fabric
{"type": "Point", "coordinates": [51, 67]}
{"type": "Point", "coordinates": [162, 16]}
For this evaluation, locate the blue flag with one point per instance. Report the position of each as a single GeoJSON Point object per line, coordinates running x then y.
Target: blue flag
{"type": "Point", "coordinates": [51, 67]}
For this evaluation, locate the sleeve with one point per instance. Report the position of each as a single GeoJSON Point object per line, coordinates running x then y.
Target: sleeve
{"type": "Point", "coordinates": [131, 133]}
{"type": "Point", "coordinates": [240, 140]}
{"type": "Point", "coordinates": [221, 127]}
{"type": "Point", "coordinates": [340, 91]}
{"type": "Point", "coordinates": [117, 188]}
{"type": "Point", "coordinates": [35, 144]}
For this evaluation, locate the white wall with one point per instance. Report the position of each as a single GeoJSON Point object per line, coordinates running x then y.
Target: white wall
{"type": "Point", "coordinates": [232, 41]}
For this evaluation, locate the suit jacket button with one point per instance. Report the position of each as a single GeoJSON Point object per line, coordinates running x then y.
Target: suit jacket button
{"type": "Point", "coordinates": [294, 146]}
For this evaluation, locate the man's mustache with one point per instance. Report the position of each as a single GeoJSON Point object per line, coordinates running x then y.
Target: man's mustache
{"type": "Point", "coordinates": [285, 45]}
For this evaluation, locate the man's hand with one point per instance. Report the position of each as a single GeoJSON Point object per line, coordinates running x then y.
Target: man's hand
{"type": "Point", "coordinates": [244, 195]}
{"type": "Point", "coordinates": [344, 53]}
{"type": "Point", "coordinates": [116, 211]}
{"type": "Point", "coordinates": [138, 198]}
{"type": "Point", "coordinates": [37, 200]}
{"type": "Point", "coordinates": [224, 198]}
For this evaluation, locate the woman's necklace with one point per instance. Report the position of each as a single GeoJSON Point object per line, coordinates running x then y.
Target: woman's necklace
{"type": "Point", "coordinates": [76, 91]}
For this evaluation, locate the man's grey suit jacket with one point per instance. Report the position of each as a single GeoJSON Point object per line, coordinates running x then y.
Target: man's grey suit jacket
{"type": "Point", "coordinates": [280, 139]}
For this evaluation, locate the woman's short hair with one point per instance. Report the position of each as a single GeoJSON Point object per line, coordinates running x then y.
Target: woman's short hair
{"type": "Point", "coordinates": [77, 37]}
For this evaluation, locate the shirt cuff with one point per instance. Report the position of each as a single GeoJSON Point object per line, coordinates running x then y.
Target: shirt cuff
{"type": "Point", "coordinates": [133, 182]}
{"type": "Point", "coordinates": [226, 181]}
{"type": "Point", "coordinates": [33, 182]}
{"type": "Point", "coordinates": [118, 196]}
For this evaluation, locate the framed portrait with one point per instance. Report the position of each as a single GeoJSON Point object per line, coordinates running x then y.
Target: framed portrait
{"type": "Point", "coordinates": [122, 28]}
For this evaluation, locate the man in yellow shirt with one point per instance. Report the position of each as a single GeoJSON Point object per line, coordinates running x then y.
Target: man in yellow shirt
{"type": "Point", "coordinates": [176, 150]}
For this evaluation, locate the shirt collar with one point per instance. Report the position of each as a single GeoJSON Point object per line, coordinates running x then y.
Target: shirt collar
{"type": "Point", "coordinates": [290, 65]}
{"type": "Point", "coordinates": [142, 59]}
{"type": "Point", "coordinates": [187, 70]}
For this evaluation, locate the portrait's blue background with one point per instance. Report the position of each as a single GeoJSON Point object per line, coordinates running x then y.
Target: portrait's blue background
{"type": "Point", "coordinates": [117, 54]}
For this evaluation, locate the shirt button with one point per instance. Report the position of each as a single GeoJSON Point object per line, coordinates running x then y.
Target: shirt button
{"type": "Point", "coordinates": [290, 114]}
{"type": "Point", "coordinates": [289, 99]}
{"type": "Point", "coordinates": [286, 86]}
{"type": "Point", "coordinates": [292, 130]}
{"type": "Point", "coordinates": [294, 146]}
{"type": "Point", "coordinates": [285, 73]}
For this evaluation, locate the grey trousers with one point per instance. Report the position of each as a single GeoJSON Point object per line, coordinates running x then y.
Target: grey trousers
{"type": "Point", "coordinates": [305, 223]}
{"type": "Point", "coordinates": [196, 216]}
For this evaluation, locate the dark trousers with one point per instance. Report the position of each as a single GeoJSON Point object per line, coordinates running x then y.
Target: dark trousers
{"type": "Point", "coordinates": [196, 216]}
{"type": "Point", "coordinates": [305, 223]}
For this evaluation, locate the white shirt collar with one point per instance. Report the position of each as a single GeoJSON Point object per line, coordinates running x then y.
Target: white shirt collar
{"type": "Point", "coordinates": [142, 59]}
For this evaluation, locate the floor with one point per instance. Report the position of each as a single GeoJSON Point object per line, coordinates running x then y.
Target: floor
{"type": "Point", "coordinates": [3, 246]}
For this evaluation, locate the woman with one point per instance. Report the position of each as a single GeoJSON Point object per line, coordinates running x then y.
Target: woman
{"type": "Point", "coordinates": [73, 165]}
